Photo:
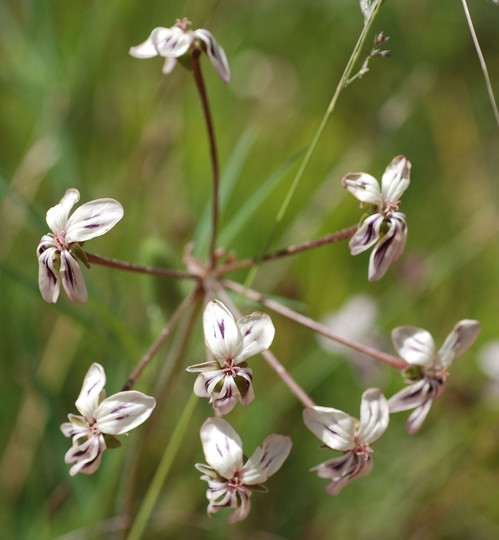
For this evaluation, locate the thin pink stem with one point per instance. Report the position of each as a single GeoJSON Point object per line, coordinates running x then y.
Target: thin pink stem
{"type": "Point", "coordinates": [272, 360]}
{"type": "Point", "coordinates": [130, 267]}
{"type": "Point", "coordinates": [389, 359]}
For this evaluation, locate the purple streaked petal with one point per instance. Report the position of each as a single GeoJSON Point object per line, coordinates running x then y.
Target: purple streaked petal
{"type": "Point", "coordinates": [389, 248]}
{"type": "Point", "coordinates": [87, 455]}
{"type": "Point", "coordinates": [72, 278]}
{"type": "Point", "coordinates": [367, 234]}
{"type": "Point", "coordinates": [374, 416]}
{"type": "Point", "coordinates": [222, 447]}
{"type": "Point", "coordinates": [267, 459]}
{"type": "Point", "coordinates": [412, 396]}
{"type": "Point", "coordinates": [461, 338]}
{"type": "Point", "coordinates": [171, 42]}
{"type": "Point", "coordinates": [363, 187]}
{"type": "Point", "coordinates": [414, 345]}
{"type": "Point", "coordinates": [257, 333]}
{"type": "Point", "coordinates": [123, 411]}
{"type": "Point", "coordinates": [91, 391]}
{"type": "Point", "coordinates": [93, 219]}
{"type": "Point", "coordinates": [48, 273]}
{"type": "Point", "coordinates": [343, 470]}
{"type": "Point", "coordinates": [333, 427]}
{"type": "Point", "coordinates": [215, 53]}
{"type": "Point", "coordinates": [221, 334]}
{"type": "Point", "coordinates": [396, 179]}
{"type": "Point", "coordinates": [57, 216]}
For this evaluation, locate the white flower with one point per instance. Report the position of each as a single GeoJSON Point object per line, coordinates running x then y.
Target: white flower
{"type": "Point", "coordinates": [381, 225]}
{"type": "Point", "coordinates": [416, 347]}
{"type": "Point", "coordinates": [101, 419]}
{"type": "Point", "coordinates": [226, 379]}
{"type": "Point", "coordinates": [58, 251]}
{"type": "Point", "coordinates": [340, 431]}
{"type": "Point", "coordinates": [175, 42]}
{"type": "Point", "coordinates": [230, 483]}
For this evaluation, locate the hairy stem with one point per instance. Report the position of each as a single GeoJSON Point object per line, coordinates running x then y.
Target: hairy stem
{"type": "Point", "coordinates": [389, 359]}
{"type": "Point", "coordinates": [196, 68]}
{"type": "Point", "coordinates": [272, 360]}
{"type": "Point", "coordinates": [130, 267]}
{"type": "Point", "coordinates": [291, 250]}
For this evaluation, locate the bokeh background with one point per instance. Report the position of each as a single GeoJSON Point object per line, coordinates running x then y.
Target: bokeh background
{"type": "Point", "coordinates": [77, 111]}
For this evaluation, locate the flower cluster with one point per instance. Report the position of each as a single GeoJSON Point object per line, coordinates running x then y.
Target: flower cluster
{"type": "Point", "coordinates": [100, 420]}
{"type": "Point", "coordinates": [230, 483]}
{"type": "Point", "coordinates": [428, 371]}
{"type": "Point", "coordinates": [382, 224]}
{"type": "Point", "coordinates": [340, 431]}
{"type": "Point", "coordinates": [58, 252]}
{"type": "Point", "coordinates": [227, 379]}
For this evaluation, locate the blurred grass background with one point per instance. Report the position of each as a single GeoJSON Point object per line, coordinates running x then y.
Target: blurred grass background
{"type": "Point", "coordinates": [77, 111]}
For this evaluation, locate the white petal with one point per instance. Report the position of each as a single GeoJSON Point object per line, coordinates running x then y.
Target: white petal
{"type": "Point", "coordinates": [461, 338]}
{"type": "Point", "coordinates": [87, 455]}
{"type": "Point", "coordinates": [171, 42]}
{"type": "Point", "coordinates": [410, 397]}
{"type": "Point", "coordinates": [418, 416]}
{"type": "Point", "coordinates": [257, 333]}
{"type": "Point", "coordinates": [366, 235]}
{"type": "Point", "coordinates": [414, 345]}
{"type": "Point", "coordinates": [168, 65]}
{"type": "Point", "coordinates": [221, 333]}
{"type": "Point", "coordinates": [374, 416]}
{"type": "Point", "coordinates": [90, 393]}
{"type": "Point", "coordinates": [396, 179]}
{"type": "Point", "coordinates": [93, 219]}
{"type": "Point", "coordinates": [72, 278]}
{"type": "Point", "coordinates": [215, 53]}
{"type": "Point", "coordinates": [225, 400]}
{"type": "Point", "coordinates": [267, 459]}
{"type": "Point", "coordinates": [388, 249]}
{"type": "Point", "coordinates": [123, 411]}
{"type": "Point", "coordinates": [334, 428]}
{"type": "Point", "coordinates": [48, 275]}
{"type": "Point", "coordinates": [364, 187]}
{"type": "Point", "coordinates": [57, 216]}
{"type": "Point", "coordinates": [222, 447]}
{"type": "Point", "coordinates": [243, 508]}
{"type": "Point", "coordinates": [146, 49]}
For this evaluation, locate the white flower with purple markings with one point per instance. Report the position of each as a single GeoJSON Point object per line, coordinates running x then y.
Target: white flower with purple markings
{"type": "Point", "coordinates": [340, 431]}
{"type": "Point", "coordinates": [227, 379]}
{"type": "Point", "coordinates": [382, 225]}
{"type": "Point", "coordinates": [428, 371]}
{"type": "Point", "coordinates": [59, 251]}
{"type": "Point", "coordinates": [230, 483]}
{"type": "Point", "coordinates": [101, 419]}
{"type": "Point", "coordinates": [176, 42]}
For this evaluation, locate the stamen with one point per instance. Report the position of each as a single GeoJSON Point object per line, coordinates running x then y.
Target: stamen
{"type": "Point", "coordinates": [183, 23]}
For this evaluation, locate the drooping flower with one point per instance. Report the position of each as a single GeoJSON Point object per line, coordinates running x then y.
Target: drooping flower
{"type": "Point", "coordinates": [382, 224]}
{"type": "Point", "coordinates": [175, 42]}
{"type": "Point", "coordinates": [227, 379]}
{"type": "Point", "coordinates": [230, 483]}
{"type": "Point", "coordinates": [428, 371]}
{"type": "Point", "coordinates": [340, 431]}
{"type": "Point", "coordinates": [58, 252]}
{"type": "Point", "coordinates": [101, 419]}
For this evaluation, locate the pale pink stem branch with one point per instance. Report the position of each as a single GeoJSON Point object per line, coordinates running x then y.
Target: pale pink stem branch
{"type": "Point", "coordinates": [153, 350]}
{"type": "Point", "coordinates": [389, 359]}
{"type": "Point", "coordinates": [272, 360]}
{"type": "Point", "coordinates": [131, 267]}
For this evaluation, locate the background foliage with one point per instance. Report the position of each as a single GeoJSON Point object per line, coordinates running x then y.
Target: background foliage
{"type": "Point", "coordinates": [77, 111]}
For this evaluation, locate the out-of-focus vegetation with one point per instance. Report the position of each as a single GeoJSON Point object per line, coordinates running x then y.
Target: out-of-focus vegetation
{"type": "Point", "coordinates": [77, 111]}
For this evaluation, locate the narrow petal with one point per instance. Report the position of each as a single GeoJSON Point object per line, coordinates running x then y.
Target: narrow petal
{"type": "Point", "coordinates": [215, 53]}
{"type": "Point", "coordinates": [222, 447]}
{"type": "Point", "coordinates": [388, 249]}
{"type": "Point", "coordinates": [257, 333]}
{"type": "Point", "coordinates": [91, 391]}
{"type": "Point", "coordinates": [374, 416]}
{"type": "Point", "coordinates": [72, 278]}
{"type": "Point", "coordinates": [418, 416]}
{"type": "Point", "coordinates": [48, 275]}
{"type": "Point", "coordinates": [334, 428]}
{"type": "Point", "coordinates": [267, 459]}
{"type": "Point", "coordinates": [461, 338]}
{"type": "Point", "coordinates": [147, 49]}
{"type": "Point", "coordinates": [77, 426]}
{"type": "Point", "coordinates": [87, 456]}
{"type": "Point", "coordinates": [57, 216]}
{"type": "Point", "coordinates": [221, 333]}
{"type": "Point", "coordinates": [343, 470]}
{"type": "Point", "coordinates": [363, 187]}
{"type": "Point", "coordinates": [411, 396]}
{"type": "Point", "coordinates": [243, 509]}
{"type": "Point", "coordinates": [93, 219]}
{"type": "Point", "coordinates": [171, 42]}
{"type": "Point", "coordinates": [224, 401]}
{"type": "Point", "coordinates": [367, 234]}
{"type": "Point", "coordinates": [123, 411]}
{"type": "Point", "coordinates": [396, 179]}
{"type": "Point", "coordinates": [414, 345]}
{"type": "Point", "coordinates": [168, 65]}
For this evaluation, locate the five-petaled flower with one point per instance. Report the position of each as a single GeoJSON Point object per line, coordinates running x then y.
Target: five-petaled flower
{"type": "Point", "coordinates": [175, 42]}
{"type": "Point", "coordinates": [227, 379]}
{"type": "Point", "coordinates": [58, 252]}
{"type": "Point", "coordinates": [230, 483]}
{"type": "Point", "coordinates": [429, 370]}
{"type": "Point", "coordinates": [382, 224]}
{"type": "Point", "coordinates": [339, 431]}
{"type": "Point", "coordinates": [101, 419]}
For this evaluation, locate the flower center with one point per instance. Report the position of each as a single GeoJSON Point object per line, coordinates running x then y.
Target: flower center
{"type": "Point", "coordinates": [235, 483]}
{"type": "Point", "coordinates": [230, 369]}
{"type": "Point", "coordinates": [183, 23]}
{"type": "Point", "coordinates": [362, 449]}
{"type": "Point", "coordinates": [390, 206]}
